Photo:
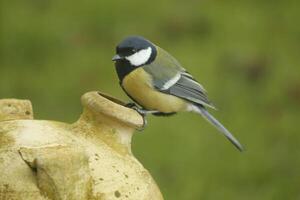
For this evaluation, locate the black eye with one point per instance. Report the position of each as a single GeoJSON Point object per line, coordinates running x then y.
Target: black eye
{"type": "Point", "coordinates": [133, 50]}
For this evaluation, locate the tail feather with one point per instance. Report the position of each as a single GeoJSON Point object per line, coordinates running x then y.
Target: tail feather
{"type": "Point", "coordinates": [201, 110]}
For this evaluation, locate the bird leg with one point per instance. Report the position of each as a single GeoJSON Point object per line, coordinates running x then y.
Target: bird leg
{"type": "Point", "coordinates": [130, 105]}
{"type": "Point", "coordinates": [142, 112]}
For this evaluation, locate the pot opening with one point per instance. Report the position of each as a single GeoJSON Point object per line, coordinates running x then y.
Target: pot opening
{"type": "Point", "coordinates": [117, 101]}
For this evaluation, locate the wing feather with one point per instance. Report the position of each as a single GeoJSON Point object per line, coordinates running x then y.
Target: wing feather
{"type": "Point", "coordinates": [190, 90]}
{"type": "Point", "coordinates": [169, 77]}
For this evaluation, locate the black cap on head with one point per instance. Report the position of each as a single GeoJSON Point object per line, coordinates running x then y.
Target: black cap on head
{"type": "Point", "coordinates": [133, 44]}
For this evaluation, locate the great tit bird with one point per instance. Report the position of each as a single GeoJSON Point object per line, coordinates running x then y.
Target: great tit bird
{"type": "Point", "coordinates": [156, 81]}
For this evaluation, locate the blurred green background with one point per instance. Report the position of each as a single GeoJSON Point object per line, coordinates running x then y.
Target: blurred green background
{"type": "Point", "coordinates": [246, 54]}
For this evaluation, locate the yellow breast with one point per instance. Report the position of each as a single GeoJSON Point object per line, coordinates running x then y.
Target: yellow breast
{"type": "Point", "coordinates": [138, 85]}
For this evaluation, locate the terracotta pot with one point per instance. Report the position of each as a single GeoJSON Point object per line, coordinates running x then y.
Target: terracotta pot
{"type": "Point", "coordinates": [90, 159]}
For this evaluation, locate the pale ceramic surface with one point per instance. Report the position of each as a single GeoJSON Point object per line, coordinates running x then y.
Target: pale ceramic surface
{"type": "Point", "coordinates": [90, 159]}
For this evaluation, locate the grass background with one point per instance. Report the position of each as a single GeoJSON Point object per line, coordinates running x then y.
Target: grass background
{"type": "Point", "coordinates": [246, 54]}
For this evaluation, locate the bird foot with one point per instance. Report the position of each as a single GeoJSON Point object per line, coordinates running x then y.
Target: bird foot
{"type": "Point", "coordinates": [131, 105]}
{"type": "Point", "coordinates": [142, 112]}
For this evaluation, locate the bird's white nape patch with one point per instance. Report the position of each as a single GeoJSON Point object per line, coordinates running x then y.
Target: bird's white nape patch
{"type": "Point", "coordinates": [140, 57]}
{"type": "Point", "coordinates": [171, 82]}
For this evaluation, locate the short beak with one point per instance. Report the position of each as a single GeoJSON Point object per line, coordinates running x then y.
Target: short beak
{"type": "Point", "coordinates": [116, 57]}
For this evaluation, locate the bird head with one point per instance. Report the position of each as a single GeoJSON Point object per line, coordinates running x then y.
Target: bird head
{"type": "Point", "coordinates": [136, 50]}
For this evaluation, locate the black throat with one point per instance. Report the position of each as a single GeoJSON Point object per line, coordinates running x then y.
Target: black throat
{"type": "Point", "coordinates": [123, 68]}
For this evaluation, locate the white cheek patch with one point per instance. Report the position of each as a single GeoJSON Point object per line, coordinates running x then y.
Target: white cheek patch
{"type": "Point", "coordinates": [140, 57]}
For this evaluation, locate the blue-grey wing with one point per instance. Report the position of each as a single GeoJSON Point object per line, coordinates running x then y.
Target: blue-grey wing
{"type": "Point", "coordinates": [189, 89]}
{"type": "Point", "coordinates": [169, 77]}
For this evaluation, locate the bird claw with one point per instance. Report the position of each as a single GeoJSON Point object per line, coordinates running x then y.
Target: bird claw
{"type": "Point", "coordinates": [142, 112]}
{"type": "Point", "coordinates": [131, 105]}
{"type": "Point", "coordinates": [145, 122]}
